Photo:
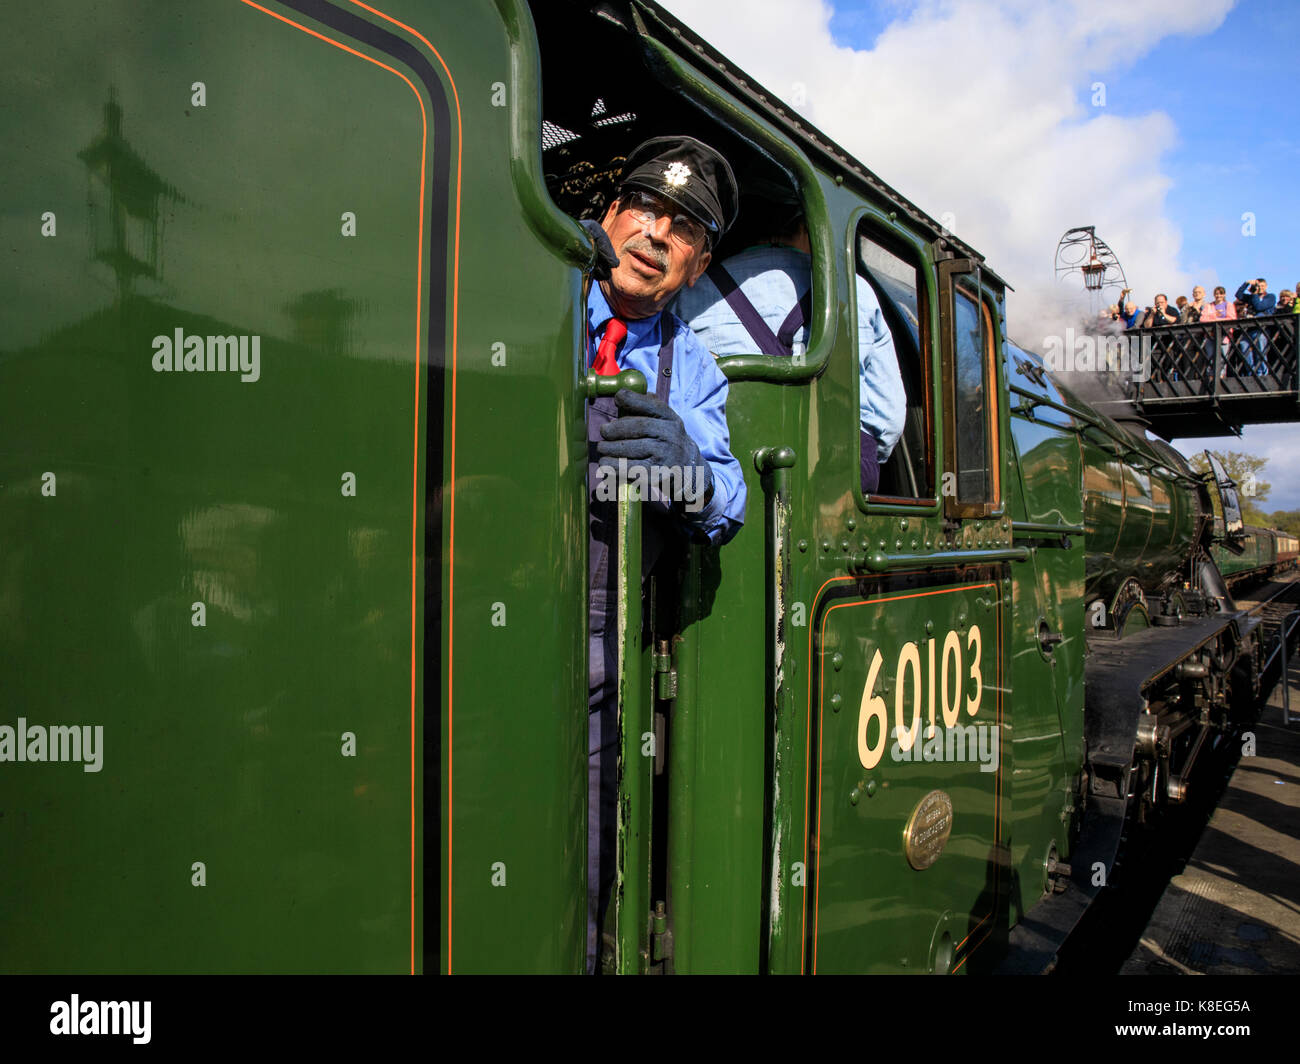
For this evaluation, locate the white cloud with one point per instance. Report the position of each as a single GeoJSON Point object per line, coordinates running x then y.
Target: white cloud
{"type": "Point", "coordinates": [984, 110]}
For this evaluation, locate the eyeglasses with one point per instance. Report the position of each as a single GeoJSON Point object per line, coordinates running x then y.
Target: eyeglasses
{"type": "Point", "coordinates": [648, 209]}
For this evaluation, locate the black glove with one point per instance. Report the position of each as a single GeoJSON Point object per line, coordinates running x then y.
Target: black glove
{"type": "Point", "coordinates": [606, 260]}
{"type": "Point", "coordinates": [649, 435]}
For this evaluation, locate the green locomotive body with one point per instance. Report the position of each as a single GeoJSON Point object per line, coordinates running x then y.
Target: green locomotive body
{"type": "Point", "coordinates": [330, 611]}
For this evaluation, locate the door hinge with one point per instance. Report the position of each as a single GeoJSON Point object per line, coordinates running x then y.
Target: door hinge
{"type": "Point", "coordinates": [661, 938]}
{"type": "Point", "coordinates": [664, 670]}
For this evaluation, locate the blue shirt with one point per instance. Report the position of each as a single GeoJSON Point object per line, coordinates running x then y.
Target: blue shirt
{"type": "Point", "coordinates": [698, 395]}
{"type": "Point", "coordinates": [1261, 305]}
{"type": "Point", "coordinates": [773, 279]}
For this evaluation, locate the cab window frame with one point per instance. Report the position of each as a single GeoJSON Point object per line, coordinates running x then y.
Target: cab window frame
{"type": "Point", "coordinates": [884, 230]}
{"type": "Point", "coordinates": [821, 324]}
{"type": "Point", "coordinates": [719, 105]}
{"type": "Point", "coordinates": [964, 276]}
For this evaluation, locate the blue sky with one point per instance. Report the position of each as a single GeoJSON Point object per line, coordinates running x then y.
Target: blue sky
{"type": "Point", "coordinates": [1233, 96]}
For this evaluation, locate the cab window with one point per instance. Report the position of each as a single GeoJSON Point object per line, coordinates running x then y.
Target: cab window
{"type": "Point", "coordinates": [894, 286]}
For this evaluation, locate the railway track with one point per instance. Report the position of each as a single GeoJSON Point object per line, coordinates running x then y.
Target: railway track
{"type": "Point", "coordinates": [1151, 854]}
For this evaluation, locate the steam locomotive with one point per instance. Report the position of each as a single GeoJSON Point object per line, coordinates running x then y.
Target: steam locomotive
{"type": "Point", "coordinates": [331, 616]}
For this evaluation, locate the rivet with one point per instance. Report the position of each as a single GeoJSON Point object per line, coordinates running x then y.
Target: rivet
{"type": "Point", "coordinates": [844, 543]}
{"type": "Point", "coordinates": [837, 700]}
{"type": "Point", "coordinates": [803, 545]}
{"type": "Point", "coordinates": [826, 544]}
{"type": "Point", "coordinates": [898, 544]}
{"type": "Point", "coordinates": [871, 788]}
{"type": "Point", "coordinates": [854, 795]}
{"type": "Point", "coordinates": [902, 523]}
{"type": "Point", "coordinates": [913, 543]}
{"type": "Point", "coordinates": [837, 662]}
{"type": "Point", "coordinates": [929, 627]}
{"type": "Point", "coordinates": [852, 524]}
{"type": "Point", "coordinates": [882, 544]}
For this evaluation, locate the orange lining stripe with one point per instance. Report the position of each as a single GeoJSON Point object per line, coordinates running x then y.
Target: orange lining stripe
{"type": "Point", "coordinates": [807, 775]}
{"type": "Point", "coordinates": [451, 493]}
{"type": "Point", "coordinates": [419, 289]}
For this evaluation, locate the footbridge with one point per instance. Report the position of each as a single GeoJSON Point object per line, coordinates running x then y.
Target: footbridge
{"type": "Point", "coordinates": [1210, 378]}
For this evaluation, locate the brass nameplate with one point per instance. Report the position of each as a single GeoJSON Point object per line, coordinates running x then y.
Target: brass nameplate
{"type": "Point", "coordinates": [928, 829]}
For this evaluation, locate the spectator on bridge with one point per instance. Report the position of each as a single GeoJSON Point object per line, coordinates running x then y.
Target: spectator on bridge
{"type": "Point", "coordinates": [1222, 309]}
{"type": "Point", "coordinates": [1181, 303]}
{"type": "Point", "coordinates": [1255, 297]}
{"type": "Point", "coordinates": [1200, 351]}
{"type": "Point", "coordinates": [1129, 313]}
{"type": "Point", "coordinates": [1160, 314]}
{"type": "Point", "coordinates": [1286, 302]}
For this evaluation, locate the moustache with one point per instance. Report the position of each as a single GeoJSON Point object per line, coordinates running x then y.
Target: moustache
{"type": "Point", "coordinates": [641, 245]}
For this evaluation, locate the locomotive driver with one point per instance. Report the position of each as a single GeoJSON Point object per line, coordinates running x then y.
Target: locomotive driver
{"type": "Point", "coordinates": [677, 197]}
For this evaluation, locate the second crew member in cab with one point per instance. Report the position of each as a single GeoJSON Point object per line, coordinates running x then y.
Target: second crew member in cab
{"type": "Point", "coordinates": [759, 300]}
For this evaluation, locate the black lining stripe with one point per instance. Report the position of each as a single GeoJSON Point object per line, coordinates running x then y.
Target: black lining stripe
{"type": "Point", "coordinates": [358, 29]}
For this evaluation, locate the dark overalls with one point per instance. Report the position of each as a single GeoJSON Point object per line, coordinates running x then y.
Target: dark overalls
{"type": "Point", "coordinates": [602, 647]}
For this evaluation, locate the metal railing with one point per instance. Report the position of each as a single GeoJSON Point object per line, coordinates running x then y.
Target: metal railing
{"type": "Point", "coordinates": [1285, 627]}
{"type": "Point", "coordinates": [1219, 358]}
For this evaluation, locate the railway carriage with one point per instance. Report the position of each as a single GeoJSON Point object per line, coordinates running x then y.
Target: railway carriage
{"type": "Point", "coordinates": [332, 616]}
{"type": "Point", "coordinates": [1260, 554]}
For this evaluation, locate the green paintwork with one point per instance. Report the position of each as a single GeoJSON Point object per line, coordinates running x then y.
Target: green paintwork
{"type": "Point", "coordinates": [1048, 685]}
{"type": "Point", "coordinates": [223, 743]}
{"type": "Point", "coordinates": [1141, 516]}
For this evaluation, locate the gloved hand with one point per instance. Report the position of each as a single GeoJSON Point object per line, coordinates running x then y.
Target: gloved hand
{"type": "Point", "coordinates": [648, 435]}
{"type": "Point", "coordinates": [606, 260]}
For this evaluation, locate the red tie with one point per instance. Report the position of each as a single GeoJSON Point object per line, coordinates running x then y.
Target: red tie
{"type": "Point", "coordinates": [606, 365]}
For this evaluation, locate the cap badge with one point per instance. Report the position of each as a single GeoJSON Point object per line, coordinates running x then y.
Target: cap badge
{"type": "Point", "coordinates": [677, 175]}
